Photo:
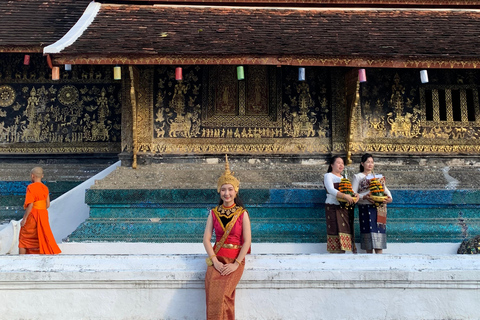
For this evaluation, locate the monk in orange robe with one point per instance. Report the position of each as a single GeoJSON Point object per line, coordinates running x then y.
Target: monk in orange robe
{"type": "Point", "coordinates": [36, 237]}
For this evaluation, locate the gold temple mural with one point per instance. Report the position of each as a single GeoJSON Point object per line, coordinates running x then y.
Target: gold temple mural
{"type": "Point", "coordinates": [210, 111]}
{"type": "Point", "coordinates": [79, 113]}
{"type": "Point", "coordinates": [401, 115]}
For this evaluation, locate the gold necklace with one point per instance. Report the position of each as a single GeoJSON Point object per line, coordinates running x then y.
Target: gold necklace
{"type": "Point", "coordinates": [226, 212]}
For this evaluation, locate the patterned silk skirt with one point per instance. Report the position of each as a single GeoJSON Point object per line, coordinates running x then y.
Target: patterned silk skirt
{"type": "Point", "coordinates": [339, 234]}
{"type": "Point", "coordinates": [220, 291]}
{"type": "Point", "coordinates": [373, 234]}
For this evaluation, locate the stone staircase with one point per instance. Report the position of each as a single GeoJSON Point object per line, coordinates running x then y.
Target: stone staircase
{"type": "Point", "coordinates": [169, 202]}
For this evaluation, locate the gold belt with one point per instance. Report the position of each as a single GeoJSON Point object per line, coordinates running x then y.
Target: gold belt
{"type": "Point", "coordinates": [230, 246]}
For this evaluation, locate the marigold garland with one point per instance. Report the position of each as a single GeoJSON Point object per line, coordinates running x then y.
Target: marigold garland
{"type": "Point", "coordinates": [376, 188]}
{"type": "Point", "coordinates": [345, 187]}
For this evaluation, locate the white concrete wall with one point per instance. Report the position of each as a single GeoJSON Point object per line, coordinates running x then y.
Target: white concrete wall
{"type": "Point", "coordinates": [316, 286]}
{"type": "Point", "coordinates": [257, 248]}
{"type": "Point", "coordinates": [69, 210]}
{"type": "Point", "coordinates": [65, 214]}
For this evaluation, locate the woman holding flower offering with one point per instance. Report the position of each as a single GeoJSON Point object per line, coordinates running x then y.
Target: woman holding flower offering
{"type": "Point", "coordinates": [339, 232]}
{"type": "Point", "coordinates": [372, 206]}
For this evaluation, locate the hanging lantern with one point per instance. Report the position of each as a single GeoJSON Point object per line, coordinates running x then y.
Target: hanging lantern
{"type": "Point", "coordinates": [240, 73]}
{"type": "Point", "coordinates": [423, 76]}
{"type": "Point", "coordinates": [301, 74]}
{"type": "Point", "coordinates": [117, 73]}
{"type": "Point", "coordinates": [68, 67]}
{"type": "Point", "coordinates": [56, 73]}
{"type": "Point", "coordinates": [362, 75]}
{"type": "Point", "coordinates": [178, 73]}
{"type": "Point", "coordinates": [26, 59]}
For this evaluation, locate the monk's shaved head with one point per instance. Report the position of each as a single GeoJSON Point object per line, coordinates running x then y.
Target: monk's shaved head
{"type": "Point", "coordinates": [37, 172]}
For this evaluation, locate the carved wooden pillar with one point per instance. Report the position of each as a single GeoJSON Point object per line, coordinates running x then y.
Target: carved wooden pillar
{"type": "Point", "coordinates": [134, 74]}
{"type": "Point", "coordinates": [352, 93]}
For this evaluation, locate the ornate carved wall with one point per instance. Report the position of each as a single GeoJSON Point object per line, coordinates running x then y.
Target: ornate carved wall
{"type": "Point", "coordinates": [398, 114]}
{"type": "Point", "coordinates": [211, 112]}
{"type": "Point", "coordinates": [80, 113]}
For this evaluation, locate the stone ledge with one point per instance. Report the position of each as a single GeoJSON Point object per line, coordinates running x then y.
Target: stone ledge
{"type": "Point", "coordinates": [262, 270]}
{"type": "Point", "coordinates": [302, 286]}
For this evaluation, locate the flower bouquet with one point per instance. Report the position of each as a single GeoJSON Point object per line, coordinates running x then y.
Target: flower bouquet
{"type": "Point", "coordinates": [345, 187]}
{"type": "Point", "coordinates": [377, 192]}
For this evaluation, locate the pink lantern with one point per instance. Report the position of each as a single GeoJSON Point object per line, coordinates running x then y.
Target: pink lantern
{"type": "Point", "coordinates": [178, 73]}
{"type": "Point", "coordinates": [26, 59]}
{"type": "Point", "coordinates": [362, 75]}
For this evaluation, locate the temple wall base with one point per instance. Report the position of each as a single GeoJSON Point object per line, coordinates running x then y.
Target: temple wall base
{"type": "Point", "coordinates": [316, 286]}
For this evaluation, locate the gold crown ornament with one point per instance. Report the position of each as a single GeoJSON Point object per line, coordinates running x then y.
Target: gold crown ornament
{"type": "Point", "coordinates": [227, 178]}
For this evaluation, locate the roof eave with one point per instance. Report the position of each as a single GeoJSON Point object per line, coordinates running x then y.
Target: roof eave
{"type": "Point", "coordinates": [432, 62]}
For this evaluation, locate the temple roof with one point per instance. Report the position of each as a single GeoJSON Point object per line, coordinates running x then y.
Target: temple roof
{"type": "Point", "coordinates": [318, 3]}
{"type": "Point", "coordinates": [30, 25]}
{"type": "Point", "coordinates": [145, 34]}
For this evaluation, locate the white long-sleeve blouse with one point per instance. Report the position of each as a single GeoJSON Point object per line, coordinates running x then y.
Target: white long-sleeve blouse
{"type": "Point", "coordinates": [360, 185]}
{"type": "Point", "coordinates": [329, 179]}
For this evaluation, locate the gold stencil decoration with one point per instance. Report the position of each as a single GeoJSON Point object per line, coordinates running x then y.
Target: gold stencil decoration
{"type": "Point", "coordinates": [375, 119]}
{"type": "Point", "coordinates": [68, 95]}
{"type": "Point", "coordinates": [401, 124]}
{"type": "Point", "coordinates": [80, 113]}
{"type": "Point", "coordinates": [301, 123]}
{"type": "Point", "coordinates": [7, 96]}
{"type": "Point", "coordinates": [181, 122]}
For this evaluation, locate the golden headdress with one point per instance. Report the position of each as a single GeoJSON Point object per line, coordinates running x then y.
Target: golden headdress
{"type": "Point", "coordinates": [227, 178]}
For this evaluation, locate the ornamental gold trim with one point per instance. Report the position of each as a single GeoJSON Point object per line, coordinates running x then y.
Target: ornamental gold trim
{"type": "Point", "coordinates": [239, 146]}
{"type": "Point", "coordinates": [319, 61]}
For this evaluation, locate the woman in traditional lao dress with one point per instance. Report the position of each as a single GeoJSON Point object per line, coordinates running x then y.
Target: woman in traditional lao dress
{"type": "Point", "coordinates": [372, 218]}
{"type": "Point", "coordinates": [339, 231]}
{"type": "Point", "coordinates": [225, 260]}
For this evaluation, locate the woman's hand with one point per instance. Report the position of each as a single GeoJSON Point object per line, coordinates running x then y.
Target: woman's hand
{"type": "Point", "coordinates": [368, 197]}
{"type": "Point", "coordinates": [217, 264]}
{"type": "Point", "coordinates": [357, 197]}
{"type": "Point", "coordinates": [349, 199]}
{"type": "Point", "coordinates": [387, 200]}
{"type": "Point", "coordinates": [229, 268]}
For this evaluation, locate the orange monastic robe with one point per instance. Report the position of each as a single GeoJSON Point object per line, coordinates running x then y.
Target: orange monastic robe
{"type": "Point", "coordinates": [36, 235]}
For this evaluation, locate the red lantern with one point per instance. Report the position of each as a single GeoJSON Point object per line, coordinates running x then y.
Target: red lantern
{"type": "Point", "coordinates": [26, 60]}
{"type": "Point", "coordinates": [178, 73]}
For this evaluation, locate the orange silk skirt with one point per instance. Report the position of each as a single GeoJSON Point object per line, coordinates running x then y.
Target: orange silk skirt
{"type": "Point", "coordinates": [220, 291]}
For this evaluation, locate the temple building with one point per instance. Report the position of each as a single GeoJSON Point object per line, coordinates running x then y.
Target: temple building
{"type": "Point", "coordinates": [221, 78]}
{"type": "Point", "coordinates": [282, 81]}
{"type": "Point", "coordinates": [158, 92]}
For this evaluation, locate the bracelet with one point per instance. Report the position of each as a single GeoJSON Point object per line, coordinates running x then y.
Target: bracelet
{"type": "Point", "coordinates": [212, 256]}
{"type": "Point", "coordinates": [238, 261]}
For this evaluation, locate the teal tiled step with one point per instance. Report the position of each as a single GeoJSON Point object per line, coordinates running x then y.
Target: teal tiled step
{"type": "Point", "coordinates": [12, 196]}
{"type": "Point", "coordinates": [278, 215]}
